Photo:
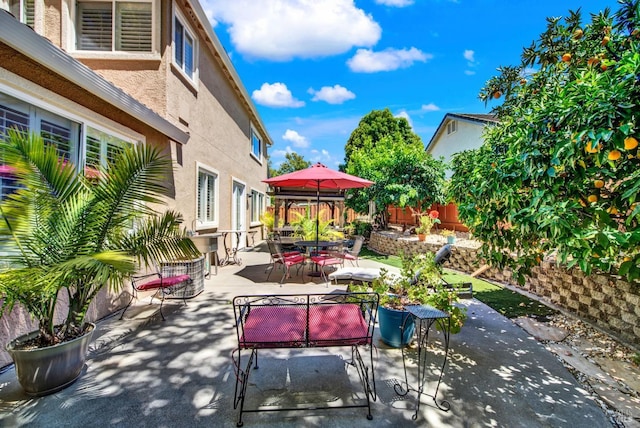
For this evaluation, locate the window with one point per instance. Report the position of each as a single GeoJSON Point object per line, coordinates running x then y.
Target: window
{"type": "Point", "coordinates": [24, 10]}
{"type": "Point", "coordinates": [65, 134]}
{"type": "Point", "coordinates": [207, 198]}
{"type": "Point", "coordinates": [256, 145]}
{"type": "Point", "coordinates": [452, 126]}
{"type": "Point", "coordinates": [102, 148]}
{"type": "Point", "coordinates": [114, 26]}
{"type": "Point", "coordinates": [257, 206]}
{"type": "Point", "coordinates": [184, 47]}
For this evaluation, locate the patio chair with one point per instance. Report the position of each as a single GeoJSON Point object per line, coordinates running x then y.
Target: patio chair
{"type": "Point", "coordinates": [353, 253]}
{"type": "Point", "coordinates": [285, 259]}
{"type": "Point", "coordinates": [162, 286]}
{"type": "Point", "coordinates": [463, 289]}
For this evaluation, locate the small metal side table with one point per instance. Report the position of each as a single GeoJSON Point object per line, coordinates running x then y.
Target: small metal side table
{"type": "Point", "coordinates": [425, 316]}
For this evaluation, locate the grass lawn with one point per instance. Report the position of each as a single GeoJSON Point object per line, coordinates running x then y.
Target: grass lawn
{"type": "Point", "coordinates": [507, 302]}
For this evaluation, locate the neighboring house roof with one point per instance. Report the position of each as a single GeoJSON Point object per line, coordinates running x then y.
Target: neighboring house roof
{"type": "Point", "coordinates": [26, 41]}
{"type": "Point", "coordinates": [481, 119]}
{"type": "Point", "coordinates": [224, 61]}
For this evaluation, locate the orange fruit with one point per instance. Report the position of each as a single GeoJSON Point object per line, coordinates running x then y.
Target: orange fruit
{"type": "Point", "coordinates": [603, 67]}
{"type": "Point", "coordinates": [592, 198]}
{"type": "Point", "coordinates": [626, 259]}
{"type": "Point", "coordinates": [582, 203]}
{"type": "Point", "coordinates": [566, 57]}
{"type": "Point", "coordinates": [605, 40]}
{"type": "Point", "coordinates": [614, 155]}
{"type": "Point", "coordinates": [578, 33]}
{"type": "Point", "coordinates": [599, 184]}
{"type": "Point", "coordinates": [523, 81]}
{"type": "Point", "coordinates": [630, 143]}
{"type": "Point", "coordinates": [497, 94]}
{"type": "Point", "coordinates": [592, 147]}
{"type": "Point", "coordinates": [613, 210]}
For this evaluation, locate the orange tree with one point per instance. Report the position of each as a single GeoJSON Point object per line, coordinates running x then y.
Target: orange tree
{"type": "Point", "coordinates": [560, 173]}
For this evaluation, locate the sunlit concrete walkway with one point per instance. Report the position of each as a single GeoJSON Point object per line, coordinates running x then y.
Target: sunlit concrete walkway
{"type": "Point", "coordinates": [146, 372]}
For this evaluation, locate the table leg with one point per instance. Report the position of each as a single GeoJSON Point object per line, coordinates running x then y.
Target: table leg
{"type": "Point", "coordinates": [422, 332]}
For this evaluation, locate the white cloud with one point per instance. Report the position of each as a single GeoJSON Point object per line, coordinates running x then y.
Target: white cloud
{"type": "Point", "coordinates": [275, 95]}
{"type": "Point", "coordinates": [468, 55]}
{"type": "Point", "coordinates": [335, 94]}
{"type": "Point", "coordinates": [429, 107]}
{"type": "Point", "coordinates": [280, 30]}
{"type": "Point", "coordinates": [297, 139]}
{"type": "Point", "coordinates": [368, 61]}
{"type": "Point", "coordinates": [404, 114]}
{"type": "Point", "coordinates": [281, 153]}
{"type": "Point", "coordinates": [395, 3]}
{"type": "Point", "coordinates": [469, 72]}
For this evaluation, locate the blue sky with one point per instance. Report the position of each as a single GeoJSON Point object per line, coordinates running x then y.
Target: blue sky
{"type": "Point", "coordinates": [314, 68]}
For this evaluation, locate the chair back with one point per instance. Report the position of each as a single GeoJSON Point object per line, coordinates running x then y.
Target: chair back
{"type": "Point", "coordinates": [357, 246]}
{"type": "Point", "coordinates": [443, 254]}
{"type": "Point", "coordinates": [274, 249]}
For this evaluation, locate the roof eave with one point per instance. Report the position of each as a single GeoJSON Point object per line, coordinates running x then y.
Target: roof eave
{"type": "Point", "coordinates": [226, 63]}
{"type": "Point", "coordinates": [26, 41]}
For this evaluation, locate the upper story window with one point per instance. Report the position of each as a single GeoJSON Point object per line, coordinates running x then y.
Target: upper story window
{"type": "Point", "coordinates": [115, 26]}
{"type": "Point", "coordinates": [184, 47]}
{"type": "Point", "coordinates": [24, 10]}
{"type": "Point", "coordinates": [207, 214]}
{"type": "Point", "coordinates": [256, 145]}
{"type": "Point", "coordinates": [452, 126]}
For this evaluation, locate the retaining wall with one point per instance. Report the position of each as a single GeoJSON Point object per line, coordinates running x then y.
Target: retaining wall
{"type": "Point", "coordinates": [604, 299]}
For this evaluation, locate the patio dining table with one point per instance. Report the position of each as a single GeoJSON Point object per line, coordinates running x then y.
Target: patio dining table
{"type": "Point", "coordinates": [308, 245]}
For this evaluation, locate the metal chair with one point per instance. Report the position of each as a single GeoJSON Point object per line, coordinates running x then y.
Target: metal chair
{"type": "Point", "coordinates": [162, 285]}
{"type": "Point", "coordinates": [353, 253]}
{"type": "Point", "coordinates": [286, 260]}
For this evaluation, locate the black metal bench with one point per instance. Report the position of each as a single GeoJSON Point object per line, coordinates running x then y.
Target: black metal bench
{"type": "Point", "coordinates": [304, 321]}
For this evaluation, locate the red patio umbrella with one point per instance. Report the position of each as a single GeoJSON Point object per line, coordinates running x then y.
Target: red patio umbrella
{"type": "Point", "coordinates": [318, 177]}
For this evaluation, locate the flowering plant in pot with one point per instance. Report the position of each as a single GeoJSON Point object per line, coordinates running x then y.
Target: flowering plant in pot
{"type": "Point", "coordinates": [450, 235]}
{"type": "Point", "coordinates": [71, 233]}
{"type": "Point", "coordinates": [426, 224]}
{"type": "Point", "coordinates": [420, 283]}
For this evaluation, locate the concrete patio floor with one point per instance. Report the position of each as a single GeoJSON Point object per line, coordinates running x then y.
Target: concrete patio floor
{"type": "Point", "coordinates": [143, 371]}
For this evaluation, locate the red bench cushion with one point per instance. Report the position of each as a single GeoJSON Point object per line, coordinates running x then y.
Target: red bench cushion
{"type": "Point", "coordinates": [274, 327]}
{"type": "Point", "coordinates": [337, 325]}
{"type": "Point", "coordinates": [163, 282]}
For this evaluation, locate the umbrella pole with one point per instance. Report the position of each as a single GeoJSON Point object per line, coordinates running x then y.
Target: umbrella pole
{"type": "Point", "coordinates": [317, 215]}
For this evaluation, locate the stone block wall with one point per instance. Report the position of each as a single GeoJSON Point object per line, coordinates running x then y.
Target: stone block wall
{"type": "Point", "coordinates": [606, 300]}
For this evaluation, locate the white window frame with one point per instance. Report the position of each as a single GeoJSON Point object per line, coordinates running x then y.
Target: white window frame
{"type": "Point", "coordinates": [186, 27]}
{"type": "Point", "coordinates": [258, 156]}
{"type": "Point", "coordinates": [200, 224]}
{"type": "Point", "coordinates": [39, 109]}
{"type": "Point", "coordinates": [22, 17]}
{"type": "Point", "coordinates": [154, 54]}
{"type": "Point", "coordinates": [257, 206]}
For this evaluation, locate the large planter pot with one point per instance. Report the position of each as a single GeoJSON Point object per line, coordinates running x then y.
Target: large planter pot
{"type": "Point", "coordinates": [390, 322]}
{"type": "Point", "coordinates": [43, 371]}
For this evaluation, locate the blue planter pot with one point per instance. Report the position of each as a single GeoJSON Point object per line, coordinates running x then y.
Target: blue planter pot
{"type": "Point", "coordinates": [390, 322]}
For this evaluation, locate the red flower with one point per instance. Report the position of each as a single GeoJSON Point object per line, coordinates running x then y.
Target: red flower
{"type": "Point", "coordinates": [434, 214]}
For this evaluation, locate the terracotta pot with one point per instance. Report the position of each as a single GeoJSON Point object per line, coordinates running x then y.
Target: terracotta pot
{"type": "Point", "coordinates": [422, 236]}
{"type": "Point", "coordinates": [43, 371]}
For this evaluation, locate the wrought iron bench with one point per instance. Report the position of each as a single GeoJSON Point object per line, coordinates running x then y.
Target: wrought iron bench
{"type": "Point", "coordinates": [304, 321]}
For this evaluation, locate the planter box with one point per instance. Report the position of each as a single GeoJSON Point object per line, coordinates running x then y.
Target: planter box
{"type": "Point", "coordinates": [194, 268]}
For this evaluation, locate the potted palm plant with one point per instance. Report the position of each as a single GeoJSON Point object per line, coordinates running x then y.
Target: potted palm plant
{"type": "Point", "coordinates": [67, 234]}
{"type": "Point", "coordinates": [305, 228]}
{"type": "Point", "coordinates": [420, 283]}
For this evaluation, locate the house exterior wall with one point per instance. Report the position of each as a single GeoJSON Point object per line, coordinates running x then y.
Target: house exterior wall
{"type": "Point", "coordinates": [213, 112]}
{"type": "Point", "coordinates": [467, 136]}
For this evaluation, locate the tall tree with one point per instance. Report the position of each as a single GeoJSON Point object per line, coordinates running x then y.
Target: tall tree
{"type": "Point", "coordinates": [403, 175]}
{"type": "Point", "coordinates": [293, 162]}
{"type": "Point", "coordinates": [377, 125]}
{"type": "Point", "coordinates": [560, 173]}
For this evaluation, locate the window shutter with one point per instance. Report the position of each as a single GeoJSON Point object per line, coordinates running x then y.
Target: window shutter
{"type": "Point", "coordinates": [133, 27]}
{"type": "Point", "coordinates": [57, 135]}
{"type": "Point", "coordinates": [178, 42]}
{"type": "Point", "coordinates": [93, 152]}
{"type": "Point", "coordinates": [94, 25]}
